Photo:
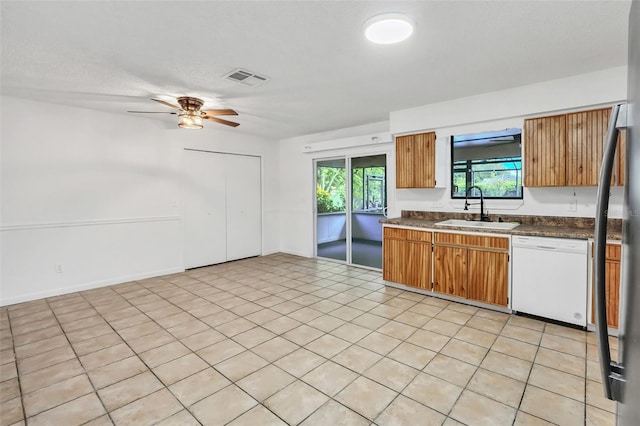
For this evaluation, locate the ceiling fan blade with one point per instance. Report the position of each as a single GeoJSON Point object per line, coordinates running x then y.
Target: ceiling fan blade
{"type": "Point", "coordinates": [221, 121]}
{"type": "Point", "coordinates": [153, 112]}
{"type": "Point", "coordinates": [166, 103]}
{"type": "Point", "coordinates": [220, 112]}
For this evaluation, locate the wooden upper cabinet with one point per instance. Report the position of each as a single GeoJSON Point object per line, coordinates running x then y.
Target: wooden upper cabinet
{"type": "Point", "coordinates": [424, 166]}
{"type": "Point", "coordinates": [567, 149]}
{"type": "Point", "coordinates": [405, 151]}
{"type": "Point", "coordinates": [586, 132]}
{"type": "Point", "coordinates": [416, 161]}
{"type": "Point", "coordinates": [544, 151]}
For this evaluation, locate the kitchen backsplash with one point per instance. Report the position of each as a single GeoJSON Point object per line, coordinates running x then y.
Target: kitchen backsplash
{"type": "Point", "coordinates": [564, 221]}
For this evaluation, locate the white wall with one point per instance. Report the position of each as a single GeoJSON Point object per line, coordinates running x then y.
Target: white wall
{"type": "Point", "coordinates": [297, 180]}
{"type": "Point", "coordinates": [486, 112]}
{"type": "Point", "coordinates": [508, 109]}
{"type": "Point", "coordinates": [99, 194]}
{"type": "Point", "coordinates": [331, 227]}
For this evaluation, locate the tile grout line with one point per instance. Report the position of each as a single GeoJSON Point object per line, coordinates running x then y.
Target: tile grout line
{"type": "Point", "coordinates": [305, 322]}
{"type": "Point", "coordinates": [15, 361]}
{"type": "Point", "coordinates": [134, 354]}
{"type": "Point", "coordinates": [84, 372]}
{"type": "Point", "coordinates": [528, 377]}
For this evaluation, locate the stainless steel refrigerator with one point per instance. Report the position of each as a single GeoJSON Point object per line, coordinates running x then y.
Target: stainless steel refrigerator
{"type": "Point", "coordinates": [621, 378]}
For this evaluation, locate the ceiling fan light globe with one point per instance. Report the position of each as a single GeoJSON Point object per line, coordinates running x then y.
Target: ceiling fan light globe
{"type": "Point", "coordinates": [188, 120]}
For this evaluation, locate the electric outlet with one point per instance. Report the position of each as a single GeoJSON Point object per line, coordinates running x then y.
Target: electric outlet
{"type": "Point", "coordinates": [437, 204]}
{"type": "Point", "coordinates": [573, 205]}
{"type": "Point", "coordinates": [59, 268]}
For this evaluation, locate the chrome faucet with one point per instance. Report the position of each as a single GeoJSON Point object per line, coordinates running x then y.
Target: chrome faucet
{"type": "Point", "coordinates": [484, 217]}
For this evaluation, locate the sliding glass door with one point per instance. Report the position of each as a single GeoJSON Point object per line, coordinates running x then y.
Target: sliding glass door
{"type": "Point", "coordinates": [368, 205]}
{"type": "Point", "coordinates": [351, 198]}
{"type": "Point", "coordinates": [331, 209]}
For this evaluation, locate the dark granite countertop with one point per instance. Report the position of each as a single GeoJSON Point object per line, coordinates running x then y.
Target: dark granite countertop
{"type": "Point", "coordinates": [535, 226]}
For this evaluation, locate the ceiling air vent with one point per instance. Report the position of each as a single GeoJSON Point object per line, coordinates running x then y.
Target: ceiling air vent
{"type": "Point", "coordinates": [245, 78]}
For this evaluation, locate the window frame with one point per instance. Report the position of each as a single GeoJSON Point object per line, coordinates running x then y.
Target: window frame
{"type": "Point", "coordinates": [468, 174]}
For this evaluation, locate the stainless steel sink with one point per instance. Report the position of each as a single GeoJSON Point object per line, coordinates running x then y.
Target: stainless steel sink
{"type": "Point", "coordinates": [478, 225]}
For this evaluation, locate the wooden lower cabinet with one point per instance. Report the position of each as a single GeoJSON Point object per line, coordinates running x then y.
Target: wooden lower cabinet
{"type": "Point", "coordinates": [471, 266]}
{"type": "Point", "coordinates": [394, 263]}
{"type": "Point", "coordinates": [468, 266]}
{"type": "Point", "coordinates": [418, 272]}
{"type": "Point", "coordinates": [450, 270]}
{"type": "Point", "coordinates": [407, 257]}
{"type": "Point", "coordinates": [612, 285]}
{"type": "Point", "coordinates": [488, 276]}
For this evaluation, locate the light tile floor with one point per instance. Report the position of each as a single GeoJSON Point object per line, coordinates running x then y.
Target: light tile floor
{"type": "Point", "coordinates": [287, 340]}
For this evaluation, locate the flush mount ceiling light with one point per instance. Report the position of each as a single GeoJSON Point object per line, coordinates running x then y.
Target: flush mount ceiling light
{"type": "Point", "coordinates": [388, 28]}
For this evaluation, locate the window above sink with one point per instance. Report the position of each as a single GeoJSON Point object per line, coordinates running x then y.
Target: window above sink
{"type": "Point", "coordinates": [491, 161]}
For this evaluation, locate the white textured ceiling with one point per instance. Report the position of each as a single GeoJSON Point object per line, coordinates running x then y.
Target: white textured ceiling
{"type": "Point", "coordinates": [115, 55]}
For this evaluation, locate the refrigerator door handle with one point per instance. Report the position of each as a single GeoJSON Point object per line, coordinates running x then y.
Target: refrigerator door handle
{"type": "Point", "coordinates": [611, 371]}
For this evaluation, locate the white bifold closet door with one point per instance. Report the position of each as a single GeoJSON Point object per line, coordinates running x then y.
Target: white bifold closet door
{"type": "Point", "coordinates": [222, 207]}
{"type": "Point", "coordinates": [244, 206]}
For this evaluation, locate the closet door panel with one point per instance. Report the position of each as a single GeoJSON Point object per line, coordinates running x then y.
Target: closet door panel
{"type": "Point", "coordinates": [244, 206]}
{"type": "Point", "coordinates": [204, 208]}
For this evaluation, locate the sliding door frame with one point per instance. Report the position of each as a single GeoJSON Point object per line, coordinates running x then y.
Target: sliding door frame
{"type": "Point", "coordinates": [347, 157]}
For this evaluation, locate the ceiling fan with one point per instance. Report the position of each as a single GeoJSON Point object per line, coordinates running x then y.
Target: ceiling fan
{"type": "Point", "coordinates": [190, 116]}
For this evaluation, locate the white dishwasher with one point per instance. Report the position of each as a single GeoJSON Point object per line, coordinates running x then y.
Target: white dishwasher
{"type": "Point", "coordinates": [549, 278]}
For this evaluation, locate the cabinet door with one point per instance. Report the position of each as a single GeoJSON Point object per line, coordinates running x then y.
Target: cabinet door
{"type": "Point", "coordinates": [405, 152]}
{"type": "Point", "coordinates": [450, 270]}
{"type": "Point", "coordinates": [418, 271]}
{"type": "Point", "coordinates": [612, 286]}
{"type": "Point", "coordinates": [424, 161]}
{"type": "Point", "coordinates": [488, 276]}
{"type": "Point", "coordinates": [394, 260]}
{"type": "Point", "coordinates": [544, 151]}
{"type": "Point", "coordinates": [415, 161]}
{"type": "Point", "coordinates": [586, 131]}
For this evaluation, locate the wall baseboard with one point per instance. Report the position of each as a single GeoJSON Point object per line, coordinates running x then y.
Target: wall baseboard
{"type": "Point", "coordinates": [295, 253]}
{"type": "Point", "coordinates": [87, 286]}
{"type": "Point", "coordinates": [270, 251]}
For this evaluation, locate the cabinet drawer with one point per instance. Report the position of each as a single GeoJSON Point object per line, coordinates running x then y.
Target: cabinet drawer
{"type": "Point", "coordinates": [395, 233]}
{"type": "Point", "coordinates": [488, 242]}
{"type": "Point", "coordinates": [423, 236]}
{"type": "Point", "coordinates": [500, 243]}
{"type": "Point", "coordinates": [450, 239]}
